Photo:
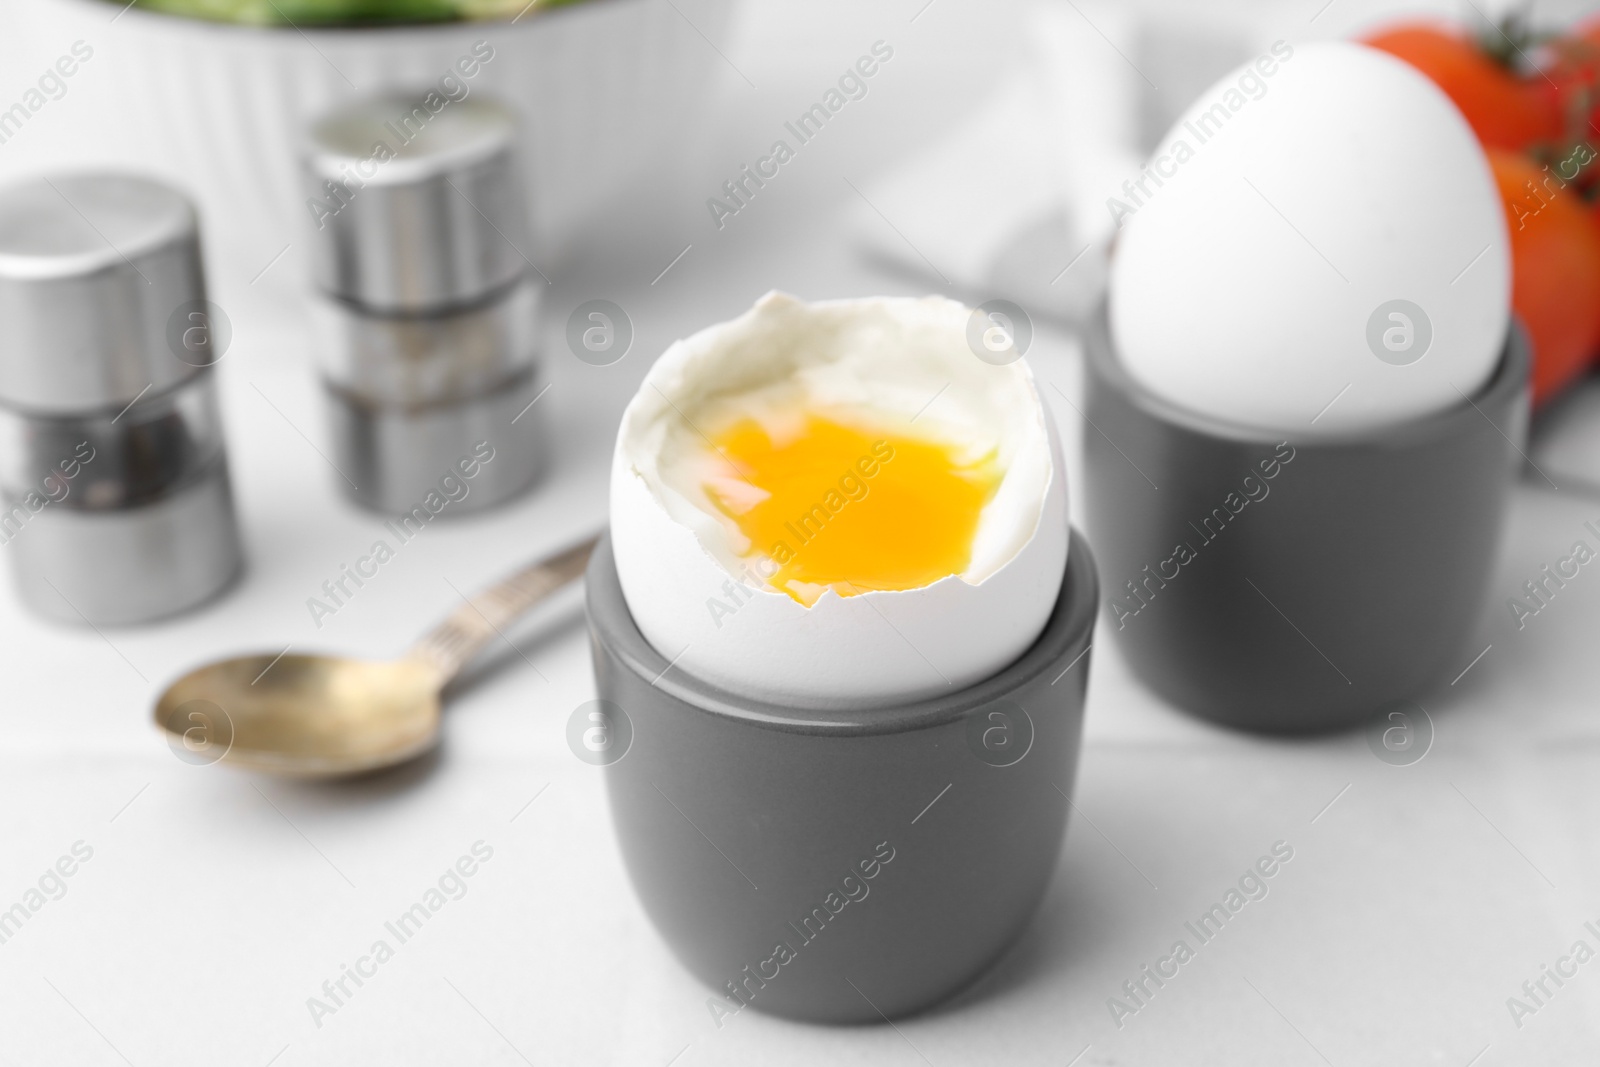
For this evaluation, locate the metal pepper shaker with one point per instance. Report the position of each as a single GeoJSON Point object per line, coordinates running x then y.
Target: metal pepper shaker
{"type": "Point", "coordinates": [427, 302]}
{"type": "Point", "coordinates": [113, 475]}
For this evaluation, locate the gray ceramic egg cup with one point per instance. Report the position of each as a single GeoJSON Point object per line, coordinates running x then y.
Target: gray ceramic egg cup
{"type": "Point", "coordinates": [1350, 584]}
{"type": "Point", "coordinates": [845, 866]}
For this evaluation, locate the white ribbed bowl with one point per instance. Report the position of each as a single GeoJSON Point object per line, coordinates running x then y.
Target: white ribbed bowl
{"type": "Point", "coordinates": [602, 89]}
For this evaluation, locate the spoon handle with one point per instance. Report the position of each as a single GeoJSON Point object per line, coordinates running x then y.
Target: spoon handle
{"type": "Point", "coordinates": [452, 644]}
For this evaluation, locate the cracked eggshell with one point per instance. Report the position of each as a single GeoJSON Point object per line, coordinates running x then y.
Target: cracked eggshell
{"type": "Point", "coordinates": [1294, 210]}
{"type": "Point", "coordinates": [879, 648]}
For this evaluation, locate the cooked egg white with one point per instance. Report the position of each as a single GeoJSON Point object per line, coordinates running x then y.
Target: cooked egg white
{"type": "Point", "coordinates": [838, 504]}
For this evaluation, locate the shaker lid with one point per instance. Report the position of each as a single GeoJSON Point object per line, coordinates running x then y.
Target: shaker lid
{"type": "Point", "coordinates": [415, 209]}
{"type": "Point", "coordinates": [94, 270]}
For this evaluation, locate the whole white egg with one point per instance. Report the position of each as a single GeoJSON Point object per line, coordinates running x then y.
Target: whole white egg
{"type": "Point", "coordinates": [697, 587]}
{"type": "Point", "coordinates": [1317, 246]}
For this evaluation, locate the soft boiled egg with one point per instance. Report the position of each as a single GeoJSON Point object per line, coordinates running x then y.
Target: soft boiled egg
{"type": "Point", "coordinates": [1316, 246]}
{"type": "Point", "coordinates": [838, 505]}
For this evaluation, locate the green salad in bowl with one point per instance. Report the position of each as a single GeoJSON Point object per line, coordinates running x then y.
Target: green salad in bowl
{"type": "Point", "coordinates": [346, 12]}
{"type": "Point", "coordinates": [216, 96]}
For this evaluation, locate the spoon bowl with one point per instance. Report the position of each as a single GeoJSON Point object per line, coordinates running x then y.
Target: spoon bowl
{"type": "Point", "coordinates": [304, 715]}
{"type": "Point", "coordinates": [312, 716]}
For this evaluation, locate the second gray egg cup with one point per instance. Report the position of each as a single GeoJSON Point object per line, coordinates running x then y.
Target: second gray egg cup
{"type": "Point", "coordinates": [1299, 584]}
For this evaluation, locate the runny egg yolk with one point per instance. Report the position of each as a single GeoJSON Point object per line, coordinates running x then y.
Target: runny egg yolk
{"type": "Point", "coordinates": [851, 509]}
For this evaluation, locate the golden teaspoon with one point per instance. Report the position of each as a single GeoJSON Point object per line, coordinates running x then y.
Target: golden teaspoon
{"type": "Point", "coordinates": [316, 716]}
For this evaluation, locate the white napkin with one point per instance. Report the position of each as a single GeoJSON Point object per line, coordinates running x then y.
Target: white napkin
{"type": "Point", "coordinates": [1012, 203]}
{"type": "Point", "coordinates": [960, 203]}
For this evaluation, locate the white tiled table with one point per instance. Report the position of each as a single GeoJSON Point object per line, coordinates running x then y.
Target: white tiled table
{"type": "Point", "coordinates": [215, 903]}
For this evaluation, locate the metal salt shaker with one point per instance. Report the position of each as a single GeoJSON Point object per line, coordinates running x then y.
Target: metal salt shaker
{"type": "Point", "coordinates": [113, 477]}
{"type": "Point", "coordinates": [427, 304]}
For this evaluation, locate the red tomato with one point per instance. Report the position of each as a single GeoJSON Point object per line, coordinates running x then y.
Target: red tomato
{"type": "Point", "coordinates": [1503, 109]}
{"type": "Point", "coordinates": [1555, 270]}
